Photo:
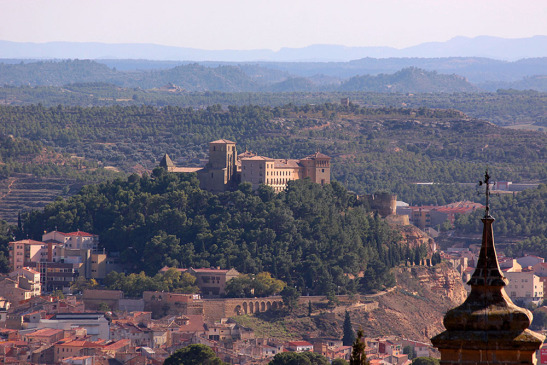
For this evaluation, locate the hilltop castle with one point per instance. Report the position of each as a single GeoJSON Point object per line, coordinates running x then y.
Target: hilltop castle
{"type": "Point", "coordinates": [226, 169]}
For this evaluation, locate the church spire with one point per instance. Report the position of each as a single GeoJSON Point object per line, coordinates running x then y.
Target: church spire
{"type": "Point", "coordinates": [488, 328]}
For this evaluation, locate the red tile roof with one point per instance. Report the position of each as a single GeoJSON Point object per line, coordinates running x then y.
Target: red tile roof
{"type": "Point", "coordinates": [299, 343]}
{"type": "Point", "coordinates": [117, 345]}
{"type": "Point", "coordinates": [44, 332]}
{"type": "Point", "coordinates": [80, 234]}
{"type": "Point", "coordinates": [29, 242]}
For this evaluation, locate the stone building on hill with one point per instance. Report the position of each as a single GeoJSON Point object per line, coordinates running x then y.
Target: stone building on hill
{"type": "Point", "coordinates": [226, 169]}
{"type": "Point", "coordinates": [488, 328]}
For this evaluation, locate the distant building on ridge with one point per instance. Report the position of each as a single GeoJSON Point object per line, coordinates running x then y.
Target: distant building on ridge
{"type": "Point", "coordinates": [226, 169]}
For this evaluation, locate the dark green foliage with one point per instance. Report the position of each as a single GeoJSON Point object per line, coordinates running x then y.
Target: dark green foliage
{"type": "Point", "coordinates": [409, 350]}
{"type": "Point", "coordinates": [425, 361]}
{"type": "Point", "coordinates": [436, 259]}
{"type": "Point", "coordinates": [194, 355]}
{"type": "Point", "coordinates": [6, 235]}
{"type": "Point", "coordinates": [298, 358]}
{"type": "Point", "coordinates": [339, 362]}
{"type": "Point", "coordinates": [133, 285]}
{"type": "Point", "coordinates": [290, 297]}
{"type": "Point", "coordinates": [521, 215]}
{"type": "Point", "coordinates": [540, 320]}
{"type": "Point", "coordinates": [290, 358]}
{"type": "Point", "coordinates": [250, 285]}
{"type": "Point", "coordinates": [358, 356]}
{"type": "Point", "coordinates": [349, 333]}
{"type": "Point", "coordinates": [308, 236]}
{"type": "Point", "coordinates": [411, 79]}
{"type": "Point", "coordinates": [373, 149]}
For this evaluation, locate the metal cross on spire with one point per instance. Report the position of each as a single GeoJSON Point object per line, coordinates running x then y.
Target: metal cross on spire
{"type": "Point", "coordinates": [486, 193]}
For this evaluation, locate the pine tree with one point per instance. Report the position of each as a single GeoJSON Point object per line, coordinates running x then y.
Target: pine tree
{"type": "Point", "coordinates": [358, 356]}
{"type": "Point", "coordinates": [349, 333]}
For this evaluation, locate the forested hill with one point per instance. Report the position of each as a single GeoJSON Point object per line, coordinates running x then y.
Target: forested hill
{"type": "Point", "coordinates": [409, 80]}
{"type": "Point", "coordinates": [195, 77]}
{"type": "Point", "coordinates": [309, 236]}
{"type": "Point", "coordinates": [520, 215]}
{"type": "Point", "coordinates": [372, 148]}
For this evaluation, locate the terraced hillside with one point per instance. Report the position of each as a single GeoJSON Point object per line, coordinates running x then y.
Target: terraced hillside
{"type": "Point", "coordinates": [22, 192]}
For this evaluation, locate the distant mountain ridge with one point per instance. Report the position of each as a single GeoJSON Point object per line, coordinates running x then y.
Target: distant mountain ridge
{"type": "Point", "coordinates": [196, 77]}
{"type": "Point", "coordinates": [482, 46]}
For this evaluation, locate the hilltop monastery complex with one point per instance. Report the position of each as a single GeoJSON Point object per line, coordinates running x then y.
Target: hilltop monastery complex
{"type": "Point", "coordinates": [226, 169]}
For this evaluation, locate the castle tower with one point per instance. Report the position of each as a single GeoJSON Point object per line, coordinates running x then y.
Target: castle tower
{"type": "Point", "coordinates": [317, 168]}
{"type": "Point", "coordinates": [488, 328]}
{"type": "Point", "coordinates": [167, 163]}
{"type": "Point", "coordinates": [220, 172]}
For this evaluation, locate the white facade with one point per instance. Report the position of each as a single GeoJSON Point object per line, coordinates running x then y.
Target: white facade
{"type": "Point", "coordinates": [73, 240]}
{"type": "Point", "coordinates": [524, 285]}
{"type": "Point", "coordinates": [96, 325]}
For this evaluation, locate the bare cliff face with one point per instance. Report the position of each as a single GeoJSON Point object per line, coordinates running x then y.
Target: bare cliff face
{"type": "Point", "coordinates": [411, 235]}
{"type": "Point", "coordinates": [415, 309]}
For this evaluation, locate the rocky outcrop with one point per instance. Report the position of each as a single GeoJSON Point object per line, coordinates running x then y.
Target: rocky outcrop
{"type": "Point", "coordinates": [415, 309]}
{"type": "Point", "coordinates": [443, 280]}
{"type": "Point", "coordinates": [415, 237]}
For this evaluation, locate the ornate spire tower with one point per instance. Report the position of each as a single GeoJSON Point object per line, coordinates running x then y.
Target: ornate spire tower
{"type": "Point", "coordinates": [488, 328]}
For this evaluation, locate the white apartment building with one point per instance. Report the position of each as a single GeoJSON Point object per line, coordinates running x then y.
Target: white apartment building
{"type": "Point", "coordinates": [524, 285]}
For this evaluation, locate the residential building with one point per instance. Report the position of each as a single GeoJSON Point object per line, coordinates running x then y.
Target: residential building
{"type": "Point", "coordinates": [432, 216]}
{"type": "Point", "coordinates": [95, 324]}
{"type": "Point", "coordinates": [524, 285]}
{"type": "Point", "coordinates": [28, 279]}
{"type": "Point", "coordinates": [73, 240]}
{"type": "Point", "coordinates": [299, 346]}
{"type": "Point", "coordinates": [61, 257]}
{"type": "Point", "coordinates": [71, 348]}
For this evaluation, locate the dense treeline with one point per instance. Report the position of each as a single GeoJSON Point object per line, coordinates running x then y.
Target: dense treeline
{"type": "Point", "coordinates": [373, 149]}
{"type": "Point", "coordinates": [504, 107]}
{"type": "Point", "coordinates": [519, 215]}
{"type": "Point", "coordinates": [308, 236]}
{"type": "Point", "coordinates": [133, 285]}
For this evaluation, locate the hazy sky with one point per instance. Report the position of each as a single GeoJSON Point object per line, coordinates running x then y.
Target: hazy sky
{"type": "Point", "coordinates": [271, 24]}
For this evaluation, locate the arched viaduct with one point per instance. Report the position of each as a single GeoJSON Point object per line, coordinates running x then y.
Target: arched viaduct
{"type": "Point", "coordinates": [229, 307]}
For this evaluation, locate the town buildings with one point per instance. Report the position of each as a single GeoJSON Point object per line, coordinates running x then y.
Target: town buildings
{"type": "Point", "coordinates": [432, 216]}
{"type": "Point", "coordinates": [226, 169]}
{"type": "Point", "coordinates": [60, 258]}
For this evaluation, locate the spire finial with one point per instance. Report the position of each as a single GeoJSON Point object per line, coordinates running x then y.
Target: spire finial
{"type": "Point", "coordinates": [486, 193]}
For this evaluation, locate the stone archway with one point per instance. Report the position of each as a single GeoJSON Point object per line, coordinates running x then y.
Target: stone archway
{"type": "Point", "coordinates": [262, 306]}
{"type": "Point", "coordinates": [245, 307]}
{"type": "Point", "coordinates": [257, 307]}
{"type": "Point", "coordinates": [268, 305]}
{"type": "Point", "coordinates": [251, 308]}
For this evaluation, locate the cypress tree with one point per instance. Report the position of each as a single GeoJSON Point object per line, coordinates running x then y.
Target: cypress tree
{"type": "Point", "coordinates": [349, 333]}
{"type": "Point", "coordinates": [358, 356]}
